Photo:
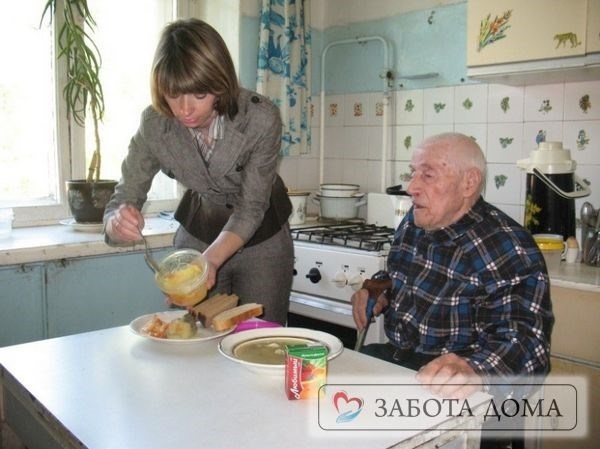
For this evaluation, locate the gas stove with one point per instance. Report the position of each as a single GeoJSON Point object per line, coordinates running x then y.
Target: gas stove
{"type": "Point", "coordinates": [331, 262]}
{"type": "Point", "coordinates": [348, 235]}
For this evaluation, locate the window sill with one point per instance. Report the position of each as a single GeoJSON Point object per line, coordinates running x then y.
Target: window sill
{"type": "Point", "coordinates": [42, 243]}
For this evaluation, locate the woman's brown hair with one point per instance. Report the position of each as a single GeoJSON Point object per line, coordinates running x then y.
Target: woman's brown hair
{"type": "Point", "coordinates": [191, 57]}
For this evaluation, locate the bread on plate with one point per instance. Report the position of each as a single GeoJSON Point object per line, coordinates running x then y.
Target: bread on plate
{"type": "Point", "coordinates": [209, 308]}
{"type": "Point", "coordinates": [231, 317]}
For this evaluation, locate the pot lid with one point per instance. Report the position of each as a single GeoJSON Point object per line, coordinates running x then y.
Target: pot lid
{"type": "Point", "coordinates": [349, 197]}
{"type": "Point", "coordinates": [340, 186]}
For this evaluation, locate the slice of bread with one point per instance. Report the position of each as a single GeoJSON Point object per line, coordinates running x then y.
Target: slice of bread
{"type": "Point", "coordinates": [229, 318]}
{"type": "Point", "coordinates": [209, 308]}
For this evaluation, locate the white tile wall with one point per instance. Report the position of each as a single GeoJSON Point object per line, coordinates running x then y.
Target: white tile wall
{"type": "Point", "coordinates": [504, 142]}
{"type": "Point", "coordinates": [506, 121]}
{"type": "Point", "coordinates": [408, 107]}
{"type": "Point", "coordinates": [505, 103]}
{"type": "Point", "coordinates": [477, 131]}
{"type": "Point", "coordinates": [578, 101]}
{"type": "Point", "coordinates": [470, 104]}
{"type": "Point", "coordinates": [438, 106]}
{"type": "Point", "coordinates": [544, 103]}
{"type": "Point", "coordinates": [356, 109]}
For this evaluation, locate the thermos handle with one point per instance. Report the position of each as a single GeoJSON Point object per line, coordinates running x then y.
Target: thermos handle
{"type": "Point", "coordinates": [584, 189]}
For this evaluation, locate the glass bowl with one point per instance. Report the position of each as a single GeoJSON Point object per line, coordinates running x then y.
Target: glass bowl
{"type": "Point", "coordinates": [182, 277]}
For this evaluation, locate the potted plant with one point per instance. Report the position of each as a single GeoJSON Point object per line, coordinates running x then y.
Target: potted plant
{"type": "Point", "coordinates": [82, 93]}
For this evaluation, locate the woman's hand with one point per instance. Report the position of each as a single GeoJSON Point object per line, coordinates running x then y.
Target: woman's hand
{"type": "Point", "coordinates": [212, 274]}
{"type": "Point", "coordinates": [225, 245]}
{"type": "Point", "coordinates": [125, 224]}
{"type": "Point", "coordinates": [359, 307]}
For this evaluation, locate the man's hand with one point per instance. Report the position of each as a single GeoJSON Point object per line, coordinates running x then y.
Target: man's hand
{"type": "Point", "coordinates": [359, 307]}
{"type": "Point", "coordinates": [450, 376]}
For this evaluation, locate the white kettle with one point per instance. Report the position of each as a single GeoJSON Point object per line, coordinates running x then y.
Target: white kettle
{"type": "Point", "coordinates": [401, 202]}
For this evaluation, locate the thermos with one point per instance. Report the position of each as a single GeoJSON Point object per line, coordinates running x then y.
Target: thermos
{"type": "Point", "coordinates": [551, 189]}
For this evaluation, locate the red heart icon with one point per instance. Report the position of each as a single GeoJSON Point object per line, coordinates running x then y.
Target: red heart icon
{"type": "Point", "coordinates": [343, 396]}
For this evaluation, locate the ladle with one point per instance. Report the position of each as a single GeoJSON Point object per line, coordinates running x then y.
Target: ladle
{"type": "Point", "coordinates": [152, 263]}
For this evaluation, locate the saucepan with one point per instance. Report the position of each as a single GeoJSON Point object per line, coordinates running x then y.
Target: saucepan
{"type": "Point", "coordinates": [339, 190]}
{"type": "Point", "coordinates": [340, 208]}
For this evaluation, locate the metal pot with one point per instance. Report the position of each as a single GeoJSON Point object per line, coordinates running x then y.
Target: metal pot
{"type": "Point", "coordinates": [339, 190]}
{"type": "Point", "coordinates": [340, 208]}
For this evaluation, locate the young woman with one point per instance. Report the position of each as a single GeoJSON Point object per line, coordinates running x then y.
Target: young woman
{"type": "Point", "coordinates": [221, 142]}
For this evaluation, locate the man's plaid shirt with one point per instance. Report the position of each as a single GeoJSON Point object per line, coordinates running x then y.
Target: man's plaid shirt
{"type": "Point", "coordinates": [478, 288]}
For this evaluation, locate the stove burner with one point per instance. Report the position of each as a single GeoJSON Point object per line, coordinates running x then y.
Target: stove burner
{"type": "Point", "coordinates": [352, 235]}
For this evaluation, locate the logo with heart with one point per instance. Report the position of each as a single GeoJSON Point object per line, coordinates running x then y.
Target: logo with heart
{"type": "Point", "coordinates": [348, 407]}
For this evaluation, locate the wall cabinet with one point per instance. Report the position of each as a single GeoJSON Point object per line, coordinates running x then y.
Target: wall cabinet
{"type": "Point", "coordinates": [593, 23]}
{"type": "Point", "coordinates": [514, 30]}
{"type": "Point", "coordinates": [543, 40]}
{"type": "Point", "coordinates": [68, 296]}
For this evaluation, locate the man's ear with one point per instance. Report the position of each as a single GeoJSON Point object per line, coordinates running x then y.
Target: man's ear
{"type": "Point", "coordinates": [472, 182]}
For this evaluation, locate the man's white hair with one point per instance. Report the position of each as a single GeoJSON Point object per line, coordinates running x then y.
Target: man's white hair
{"type": "Point", "coordinates": [464, 152]}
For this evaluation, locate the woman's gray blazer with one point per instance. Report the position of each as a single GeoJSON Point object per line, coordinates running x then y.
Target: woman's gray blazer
{"type": "Point", "coordinates": [241, 172]}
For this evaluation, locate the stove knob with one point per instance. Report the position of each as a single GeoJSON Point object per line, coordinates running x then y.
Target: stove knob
{"type": "Point", "coordinates": [356, 282]}
{"type": "Point", "coordinates": [314, 275]}
{"type": "Point", "coordinates": [339, 279]}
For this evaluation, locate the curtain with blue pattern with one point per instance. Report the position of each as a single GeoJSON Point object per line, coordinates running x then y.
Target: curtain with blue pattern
{"type": "Point", "coordinates": [284, 70]}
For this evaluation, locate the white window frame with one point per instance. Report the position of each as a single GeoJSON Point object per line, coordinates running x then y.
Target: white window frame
{"type": "Point", "coordinates": [71, 163]}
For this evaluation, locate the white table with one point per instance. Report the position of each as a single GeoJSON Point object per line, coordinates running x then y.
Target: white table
{"type": "Point", "coordinates": [113, 389]}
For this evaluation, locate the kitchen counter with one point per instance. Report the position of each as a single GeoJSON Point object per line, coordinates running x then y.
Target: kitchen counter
{"type": "Point", "coordinates": [34, 244]}
{"type": "Point", "coordinates": [113, 389]}
{"type": "Point", "coordinates": [577, 276]}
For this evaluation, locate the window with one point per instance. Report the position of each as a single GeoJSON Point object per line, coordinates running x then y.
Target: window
{"type": "Point", "coordinates": [29, 165]}
{"type": "Point", "coordinates": [35, 155]}
{"type": "Point", "coordinates": [38, 149]}
{"type": "Point", "coordinates": [127, 41]}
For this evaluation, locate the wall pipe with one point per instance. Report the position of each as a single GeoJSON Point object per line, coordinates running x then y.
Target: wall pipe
{"type": "Point", "coordinates": [387, 78]}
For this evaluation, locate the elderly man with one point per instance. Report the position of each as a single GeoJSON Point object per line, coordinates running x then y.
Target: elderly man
{"type": "Point", "coordinates": [470, 292]}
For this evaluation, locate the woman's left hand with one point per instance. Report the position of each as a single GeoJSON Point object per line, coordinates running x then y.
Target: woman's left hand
{"type": "Point", "coordinates": [225, 245]}
{"type": "Point", "coordinates": [212, 275]}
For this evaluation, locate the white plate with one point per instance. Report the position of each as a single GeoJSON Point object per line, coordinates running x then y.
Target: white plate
{"type": "Point", "coordinates": [229, 343]}
{"type": "Point", "coordinates": [82, 227]}
{"type": "Point", "coordinates": [203, 334]}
